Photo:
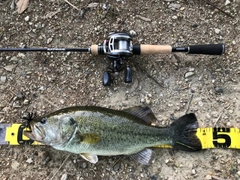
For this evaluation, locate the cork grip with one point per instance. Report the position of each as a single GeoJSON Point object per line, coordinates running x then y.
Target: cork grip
{"type": "Point", "coordinates": [94, 49]}
{"type": "Point", "coordinates": [155, 49]}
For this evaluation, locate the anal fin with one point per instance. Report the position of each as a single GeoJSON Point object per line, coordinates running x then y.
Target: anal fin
{"type": "Point", "coordinates": [145, 156]}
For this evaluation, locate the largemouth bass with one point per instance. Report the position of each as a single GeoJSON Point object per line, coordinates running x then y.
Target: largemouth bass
{"type": "Point", "coordinates": [92, 131]}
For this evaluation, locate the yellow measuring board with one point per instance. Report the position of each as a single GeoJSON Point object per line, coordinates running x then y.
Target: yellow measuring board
{"type": "Point", "coordinates": [209, 137]}
{"type": "Point", "coordinates": [219, 137]}
{"type": "Point", "coordinates": [15, 136]}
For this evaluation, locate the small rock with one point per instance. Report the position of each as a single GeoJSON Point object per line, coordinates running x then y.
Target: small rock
{"type": "Point", "coordinates": [174, 17]}
{"type": "Point", "coordinates": [29, 160]}
{"type": "Point", "coordinates": [228, 124]}
{"type": "Point", "coordinates": [148, 101]}
{"type": "Point", "coordinates": [227, 2]}
{"type": "Point", "coordinates": [84, 165]}
{"type": "Point", "coordinates": [9, 67]}
{"type": "Point", "coordinates": [174, 6]}
{"type": "Point", "coordinates": [117, 166]}
{"type": "Point", "coordinates": [219, 90]}
{"type": "Point", "coordinates": [189, 74]}
{"type": "Point", "coordinates": [27, 18]}
{"type": "Point", "coordinates": [142, 100]}
{"type": "Point", "coordinates": [49, 40]}
{"type": "Point", "coordinates": [208, 177]}
{"type": "Point", "coordinates": [193, 171]}
{"type": "Point", "coordinates": [3, 79]}
{"type": "Point", "coordinates": [15, 165]}
{"type": "Point", "coordinates": [26, 102]}
{"type": "Point", "coordinates": [132, 33]}
{"type": "Point", "coordinates": [217, 31]}
{"type": "Point", "coordinates": [64, 177]}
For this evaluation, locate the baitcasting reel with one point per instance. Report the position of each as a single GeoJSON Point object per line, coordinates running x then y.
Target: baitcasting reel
{"type": "Point", "coordinates": [117, 47]}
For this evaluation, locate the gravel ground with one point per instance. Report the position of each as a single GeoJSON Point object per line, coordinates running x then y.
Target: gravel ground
{"type": "Point", "coordinates": [44, 82]}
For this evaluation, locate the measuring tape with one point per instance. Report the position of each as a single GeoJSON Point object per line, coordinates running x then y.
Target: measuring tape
{"type": "Point", "coordinates": [219, 137]}
{"type": "Point", "coordinates": [209, 137]}
{"type": "Point", "coordinates": [15, 136]}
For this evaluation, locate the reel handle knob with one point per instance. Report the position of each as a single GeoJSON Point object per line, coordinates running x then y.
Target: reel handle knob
{"type": "Point", "coordinates": [128, 75]}
{"type": "Point", "coordinates": [106, 79]}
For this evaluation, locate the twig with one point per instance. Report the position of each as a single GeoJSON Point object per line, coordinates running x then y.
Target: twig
{"type": "Point", "coordinates": [211, 4]}
{"type": "Point", "coordinates": [72, 5]}
{"type": "Point", "coordinates": [60, 167]}
{"type": "Point", "coordinates": [189, 103]}
{"type": "Point", "coordinates": [219, 117]}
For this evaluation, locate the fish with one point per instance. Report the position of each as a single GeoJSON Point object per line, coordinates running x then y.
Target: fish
{"type": "Point", "coordinates": [93, 131]}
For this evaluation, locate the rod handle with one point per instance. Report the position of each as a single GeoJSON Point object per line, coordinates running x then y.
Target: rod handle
{"type": "Point", "coordinates": [210, 49]}
{"type": "Point", "coordinates": [152, 49]}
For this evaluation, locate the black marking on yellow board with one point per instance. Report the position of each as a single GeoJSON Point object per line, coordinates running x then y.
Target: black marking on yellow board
{"type": "Point", "coordinates": [15, 136]}
{"type": "Point", "coordinates": [219, 137]}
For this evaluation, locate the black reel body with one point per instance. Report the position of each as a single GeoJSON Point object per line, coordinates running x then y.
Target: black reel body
{"type": "Point", "coordinates": [118, 47]}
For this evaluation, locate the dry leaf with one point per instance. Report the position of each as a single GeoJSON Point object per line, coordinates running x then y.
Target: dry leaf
{"type": "Point", "coordinates": [22, 5]}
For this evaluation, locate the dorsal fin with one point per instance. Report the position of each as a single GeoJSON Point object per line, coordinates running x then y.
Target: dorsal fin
{"type": "Point", "coordinates": [144, 113]}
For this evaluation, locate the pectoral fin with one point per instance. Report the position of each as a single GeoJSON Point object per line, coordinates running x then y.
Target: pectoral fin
{"type": "Point", "coordinates": [145, 156]}
{"type": "Point", "coordinates": [92, 158]}
{"type": "Point", "coordinates": [90, 138]}
{"type": "Point", "coordinates": [87, 138]}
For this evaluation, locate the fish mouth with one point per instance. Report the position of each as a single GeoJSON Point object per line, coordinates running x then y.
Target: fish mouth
{"type": "Point", "coordinates": [35, 133]}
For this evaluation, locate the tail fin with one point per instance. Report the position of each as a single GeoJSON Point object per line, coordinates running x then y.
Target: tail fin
{"type": "Point", "coordinates": [184, 133]}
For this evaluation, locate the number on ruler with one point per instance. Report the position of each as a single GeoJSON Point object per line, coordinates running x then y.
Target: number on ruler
{"type": "Point", "coordinates": [221, 133]}
{"type": "Point", "coordinates": [20, 136]}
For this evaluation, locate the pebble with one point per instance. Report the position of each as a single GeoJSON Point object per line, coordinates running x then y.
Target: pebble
{"type": "Point", "coordinates": [29, 160]}
{"type": "Point", "coordinates": [193, 171]}
{"type": "Point", "coordinates": [49, 40]}
{"type": "Point", "coordinates": [15, 165]}
{"type": "Point", "coordinates": [26, 101]}
{"type": "Point", "coordinates": [174, 17]}
{"type": "Point", "coordinates": [3, 79]}
{"type": "Point", "coordinates": [227, 2]}
{"type": "Point", "coordinates": [132, 33]}
{"type": "Point", "coordinates": [217, 31]}
{"type": "Point", "coordinates": [174, 6]}
{"type": "Point", "coordinates": [142, 100]}
{"type": "Point", "coordinates": [9, 67]}
{"type": "Point", "coordinates": [27, 18]}
{"type": "Point", "coordinates": [64, 177]}
{"type": "Point", "coordinates": [219, 89]}
{"type": "Point", "coordinates": [117, 166]}
{"type": "Point", "coordinates": [84, 165]}
{"type": "Point", "coordinates": [208, 177]}
{"type": "Point", "coordinates": [189, 74]}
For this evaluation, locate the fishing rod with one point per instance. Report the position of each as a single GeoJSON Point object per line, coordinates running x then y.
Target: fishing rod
{"type": "Point", "coordinates": [118, 47]}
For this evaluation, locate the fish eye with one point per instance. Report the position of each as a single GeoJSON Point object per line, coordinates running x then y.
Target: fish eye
{"type": "Point", "coordinates": [43, 120]}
